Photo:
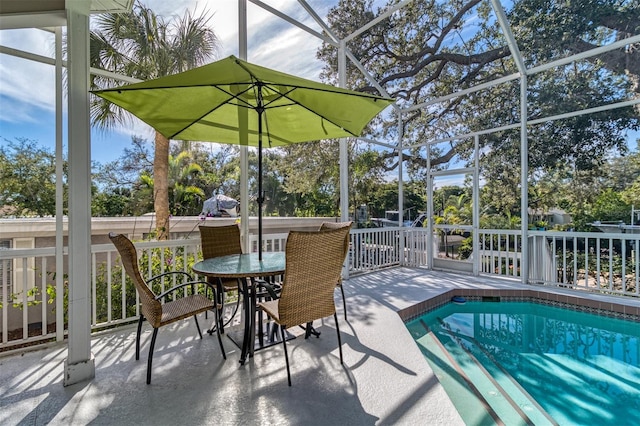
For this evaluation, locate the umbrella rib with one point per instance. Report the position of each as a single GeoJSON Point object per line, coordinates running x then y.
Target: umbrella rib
{"type": "Point", "coordinates": [329, 88]}
{"type": "Point", "coordinates": [236, 95]}
{"type": "Point", "coordinates": [294, 88]}
{"type": "Point", "coordinates": [320, 115]}
{"type": "Point", "coordinates": [242, 103]}
{"type": "Point", "coordinates": [280, 95]}
{"type": "Point", "coordinates": [200, 118]}
{"type": "Point", "coordinates": [217, 86]}
{"type": "Point", "coordinates": [272, 86]}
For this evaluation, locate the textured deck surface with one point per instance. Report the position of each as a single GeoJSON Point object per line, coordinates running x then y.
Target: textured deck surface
{"type": "Point", "coordinates": [385, 380]}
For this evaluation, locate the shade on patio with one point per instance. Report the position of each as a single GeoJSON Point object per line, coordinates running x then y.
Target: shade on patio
{"type": "Point", "coordinates": [212, 103]}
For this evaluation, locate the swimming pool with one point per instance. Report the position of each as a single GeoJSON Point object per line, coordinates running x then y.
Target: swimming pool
{"type": "Point", "coordinates": [520, 362]}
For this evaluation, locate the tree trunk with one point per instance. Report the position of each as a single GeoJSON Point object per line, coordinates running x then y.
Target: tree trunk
{"type": "Point", "coordinates": [161, 186]}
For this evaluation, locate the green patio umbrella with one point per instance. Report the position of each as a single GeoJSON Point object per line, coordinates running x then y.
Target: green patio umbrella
{"type": "Point", "coordinates": [234, 101]}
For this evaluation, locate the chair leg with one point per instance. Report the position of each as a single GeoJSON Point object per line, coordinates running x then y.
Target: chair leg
{"type": "Point", "coordinates": [260, 326]}
{"type": "Point", "coordinates": [272, 327]}
{"type": "Point", "coordinates": [150, 360]}
{"type": "Point", "coordinates": [309, 330]}
{"type": "Point", "coordinates": [197, 325]}
{"type": "Point", "coordinates": [218, 331]}
{"type": "Point", "coordinates": [140, 321]}
{"type": "Point", "coordinates": [335, 316]}
{"type": "Point", "coordinates": [220, 300]}
{"type": "Point", "coordinates": [286, 356]}
{"type": "Point", "coordinates": [344, 302]}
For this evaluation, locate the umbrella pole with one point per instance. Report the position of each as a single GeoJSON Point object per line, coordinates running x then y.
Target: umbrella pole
{"type": "Point", "coordinates": [260, 110]}
{"type": "Point", "coordinates": [260, 195]}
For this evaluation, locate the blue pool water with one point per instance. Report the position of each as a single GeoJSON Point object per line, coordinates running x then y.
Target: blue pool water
{"type": "Point", "coordinates": [528, 363]}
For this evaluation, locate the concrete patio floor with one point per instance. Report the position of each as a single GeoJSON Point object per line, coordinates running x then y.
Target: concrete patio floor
{"type": "Point", "coordinates": [385, 379]}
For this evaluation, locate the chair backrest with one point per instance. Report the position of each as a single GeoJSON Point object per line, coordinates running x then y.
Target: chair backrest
{"type": "Point", "coordinates": [151, 308]}
{"type": "Point", "coordinates": [220, 240]}
{"type": "Point", "coordinates": [339, 225]}
{"type": "Point", "coordinates": [313, 267]}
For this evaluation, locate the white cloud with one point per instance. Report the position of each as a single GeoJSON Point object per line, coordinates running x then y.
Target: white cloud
{"type": "Point", "coordinates": [31, 40]}
{"type": "Point", "coordinates": [33, 85]}
{"type": "Point", "coordinates": [27, 88]}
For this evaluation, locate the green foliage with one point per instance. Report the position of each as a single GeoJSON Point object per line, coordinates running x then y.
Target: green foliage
{"type": "Point", "coordinates": [498, 221]}
{"type": "Point", "coordinates": [185, 197]}
{"type": "Point", "coordinates": [607, 206]}
{"type": "Point", "coordinates": [310, 177]}
{"type": "Point", "coordinates": [628, 169]}
{"type": "Point", "coordinates": [384, 197]}
{"type": "Point", "coordinates": [144, 45]}
{"type": "Point", "coordinates": [466, 248]}
{"type": "Point", "coordinates": [409, 56]}
{"type": "Point", "coordinates": [52, 293]}
{"type": "Point", "coordinates": [16, 298]}
{"type": "Point", "coordinates": [34, 296]}
{"type": "Point", "coordinates": [27, 178]}
{"type": "Point", "coordinates": [427, 50]}
{"type": "Point", "coordinates": [112, 202]}
{"type": "Point", "coordinates": [121, 293]}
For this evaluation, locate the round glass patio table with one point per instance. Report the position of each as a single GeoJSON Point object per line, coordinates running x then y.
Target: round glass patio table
{"type": "Point", "coordinates": [245, 267]}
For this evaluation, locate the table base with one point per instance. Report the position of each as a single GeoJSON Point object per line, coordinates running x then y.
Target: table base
{"type": "Point", "coordinates": [268, 339]}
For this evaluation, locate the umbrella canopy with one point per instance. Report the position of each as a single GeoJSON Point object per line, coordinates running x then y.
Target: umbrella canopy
{"type": "Point", "coordinates": [234, 101]}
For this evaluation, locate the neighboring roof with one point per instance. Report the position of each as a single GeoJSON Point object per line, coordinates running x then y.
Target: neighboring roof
{"type": "Point", "coordinates": [50, 13]}
{"type": "Point", "coordinates": [553, 210]}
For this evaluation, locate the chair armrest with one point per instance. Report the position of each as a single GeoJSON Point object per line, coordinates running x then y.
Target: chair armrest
{"type": "Point", "coordinates": [191, 283]}
{"type": "Point", "coordinates": [170, 273]}
{"type": "Point", "coordinates": [165, 274]}
{"type": "Point", "coordinates": [271, 289]}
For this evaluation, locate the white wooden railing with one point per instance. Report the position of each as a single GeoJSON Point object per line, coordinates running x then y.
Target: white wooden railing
{"type": "Point", "coordinates": [606, 263]}
{"type": "Point", "coordinates": [592, 261]}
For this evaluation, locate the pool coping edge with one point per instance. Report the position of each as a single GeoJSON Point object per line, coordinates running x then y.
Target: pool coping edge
{"type": "Point", "coordinates": [575, 302]}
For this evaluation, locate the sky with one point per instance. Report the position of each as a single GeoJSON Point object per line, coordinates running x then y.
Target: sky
{"type": "Point", "coordinates": [27, 96]}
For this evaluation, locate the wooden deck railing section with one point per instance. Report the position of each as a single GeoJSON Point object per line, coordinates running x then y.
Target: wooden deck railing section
{"type": "Point", "coordinates": [598, 262]}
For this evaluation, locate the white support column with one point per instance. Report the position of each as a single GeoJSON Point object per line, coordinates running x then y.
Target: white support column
{"type": "Point", "coordinates": [476, 205]}
{"type": "Point", "coordinates": [524, 182]}
{"type": "Point", "coordinates": [524, 144]}
{"type": "Point", "coordinates": [344, 153]}
{"type": "Point", "coordinates": [244, 150]}
{"type": "Point", "coordinates": [401, 245]}
{"type": "Point", "coordinates": [80, 364]}
{"type": "Point", "coordinates": [400, 172]}
{"type": "Point", "coordinates": [430, 253]}
{"type": "Point", "coordinates": [59, 192]}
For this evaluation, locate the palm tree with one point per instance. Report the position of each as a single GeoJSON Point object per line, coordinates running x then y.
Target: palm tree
{"type": "Point", "coordinates": [145, 46]}
{"type": "Point", "coordinates": [185, 197]}
{"type": "Point", "coordinates": [183, 173]}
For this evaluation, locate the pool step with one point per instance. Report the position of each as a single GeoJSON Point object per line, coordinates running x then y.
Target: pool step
{"type": "Point", "coordinates": [468, 377]}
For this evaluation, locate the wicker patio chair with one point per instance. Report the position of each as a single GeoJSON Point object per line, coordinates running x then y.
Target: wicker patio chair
{"type": "Point", "coordinates": [224, 240]}
{"type": "Point", "coordinates": [338, 225]}
{"type": "Point", "coordinates": [217, 241]}
{"type": "Point", "coordinates": [313, 266]}
{"type": "Point", "coordinates": [152, 308]}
